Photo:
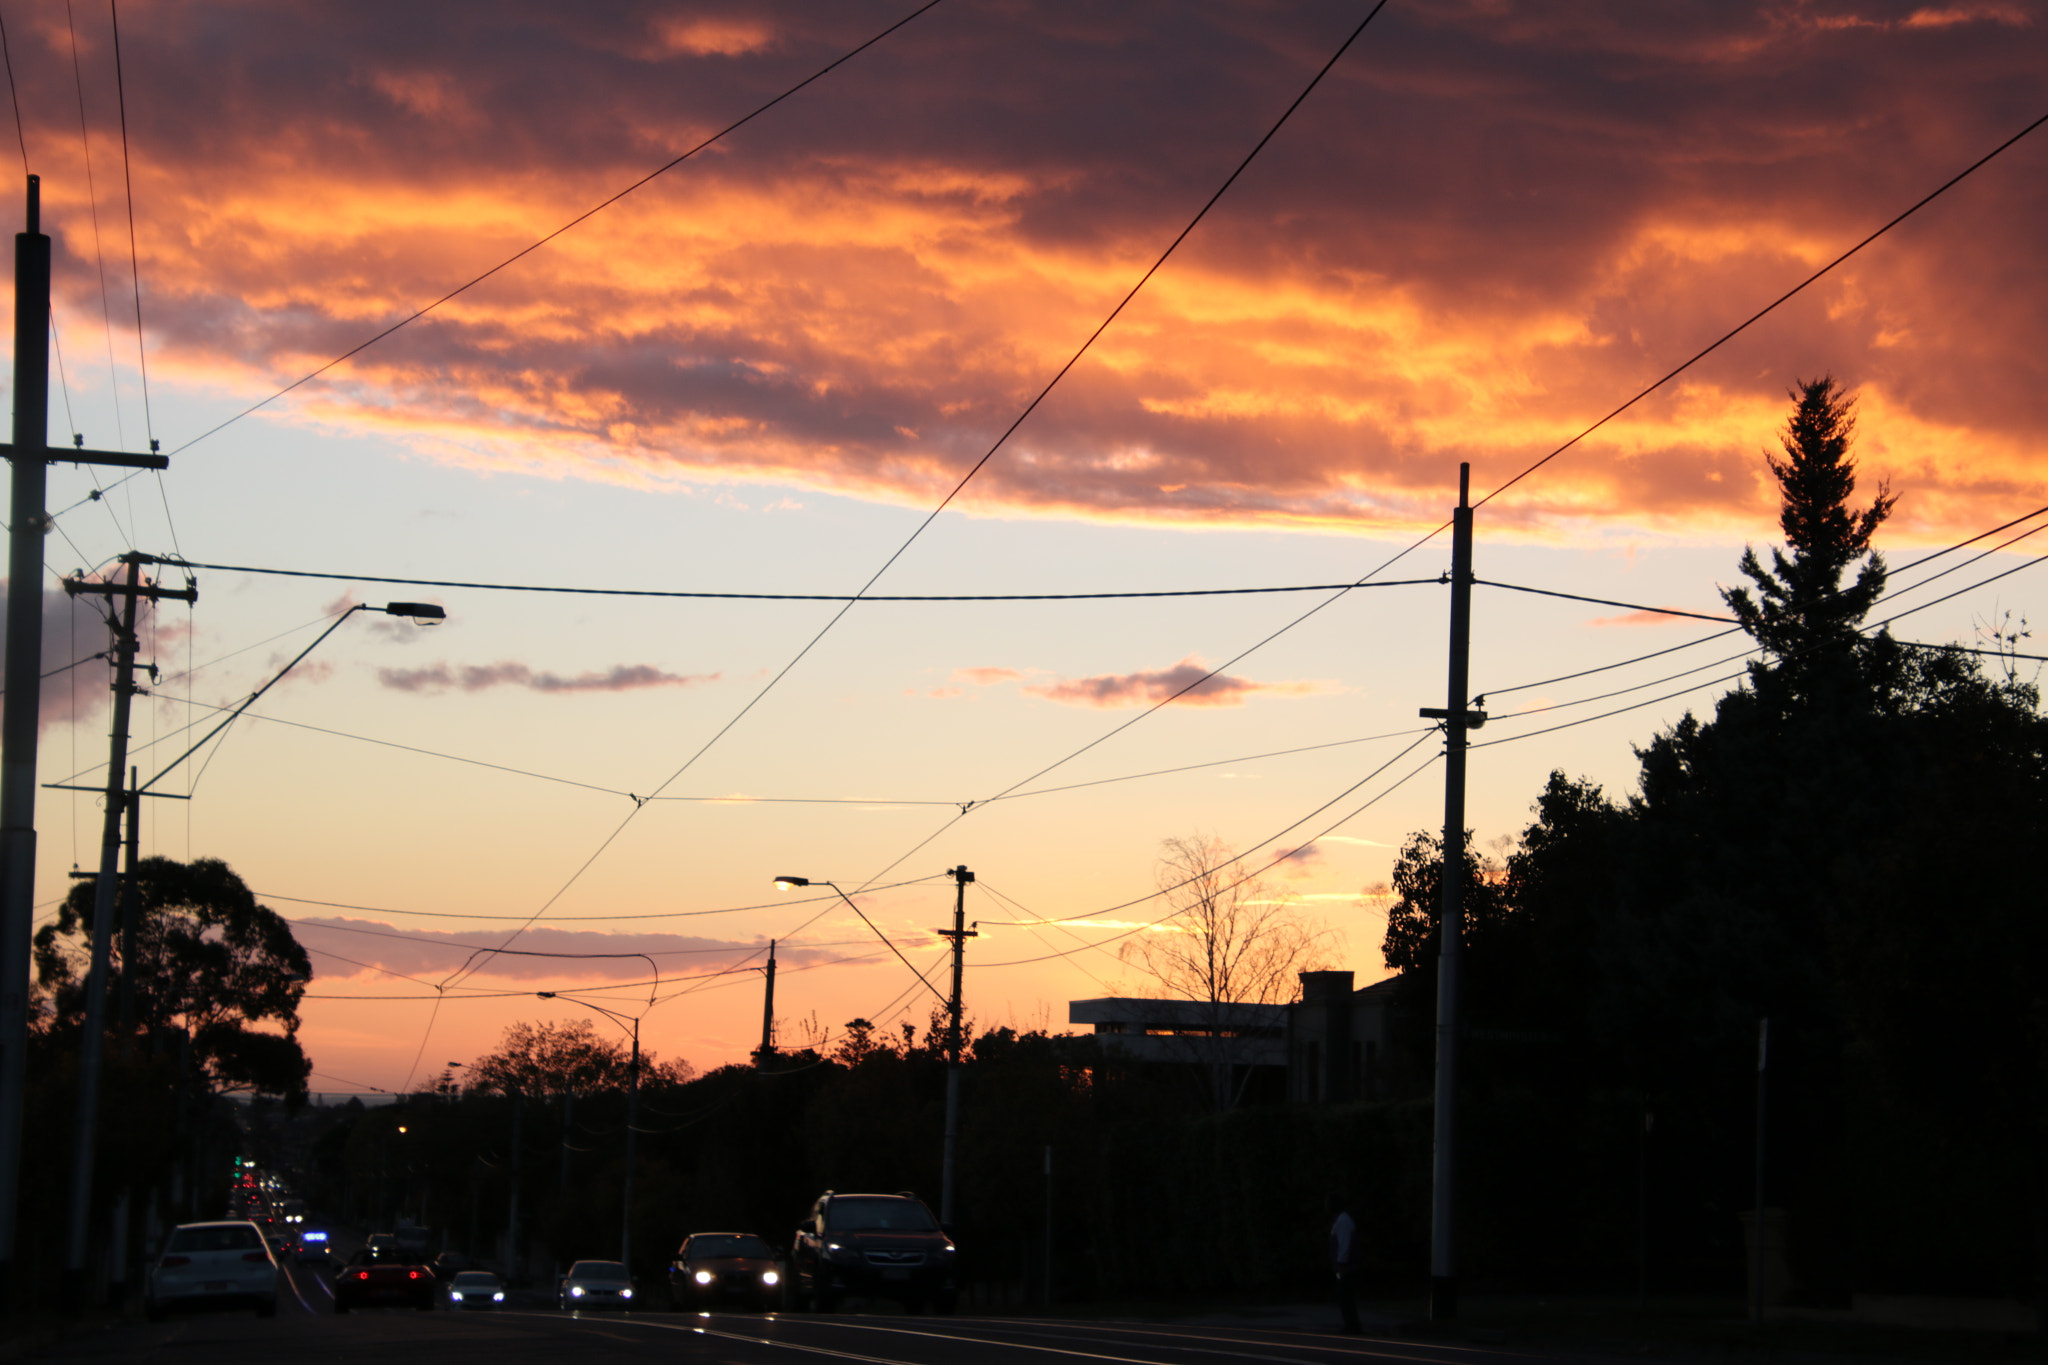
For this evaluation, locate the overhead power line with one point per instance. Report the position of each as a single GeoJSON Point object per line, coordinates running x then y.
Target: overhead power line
{"type": "Point", "coordinates": [1602, 601]}
{"type": "Point", "coordinates": [781, 904]}
{"type": "Point", "coordinates": [806, 596]}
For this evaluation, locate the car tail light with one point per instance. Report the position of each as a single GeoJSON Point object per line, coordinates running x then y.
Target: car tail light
{"type": "Point", "coordinates": [362, 1274]}
{"type": "Point", "coordinates": [175, 1260]}
{"type": "Point", "coordinates": [412, 1274]}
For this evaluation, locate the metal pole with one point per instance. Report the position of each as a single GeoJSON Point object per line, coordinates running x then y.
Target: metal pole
{"type": "Point", "coordinates": [18, 710]}
{"type": "Point", "coordinates": [92, 1043]}
{"type": "Point", "coordinates": [632, 1128]}
{"type": "Point", "coordinates": [960, 933]}
{"type": "Point", "coordinates": [1443, 1283]}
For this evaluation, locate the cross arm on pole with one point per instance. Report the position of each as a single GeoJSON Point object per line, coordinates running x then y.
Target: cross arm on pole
{"type": "Point", "coordinates": [121, 459]}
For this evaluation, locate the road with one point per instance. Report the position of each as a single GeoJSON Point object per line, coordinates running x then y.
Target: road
{"type": "Point", "coordinates": [306, 1330]}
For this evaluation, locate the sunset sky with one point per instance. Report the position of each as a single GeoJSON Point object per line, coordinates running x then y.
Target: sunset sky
{"type": "Point", "coordinates": [761, 371]}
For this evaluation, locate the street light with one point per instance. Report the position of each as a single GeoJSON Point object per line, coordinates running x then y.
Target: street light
{"type": "Point", "coordinates": [632, 1117]}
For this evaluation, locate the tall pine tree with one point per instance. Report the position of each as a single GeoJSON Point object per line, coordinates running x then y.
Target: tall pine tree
{"type": "Point", "coordinates": [1801, 613]}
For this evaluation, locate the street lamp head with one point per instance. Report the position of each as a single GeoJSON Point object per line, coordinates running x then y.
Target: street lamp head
{"type": "Point", "coordinates": [545, 995]}
{"type": "Point", "coordinates": [791, 883]}
{"type": "Point", "coordinates": [422, 613]}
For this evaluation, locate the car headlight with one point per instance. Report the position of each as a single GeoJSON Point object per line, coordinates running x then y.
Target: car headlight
{"type": "Point", "coordinates": [576, 1291]}
{"type": "Point", "coordinates": [455, 1295]}
{"type": "Point", "coordinates": [770, 1277]}
{"type": "Point", "coordinates": [702, 1277]}
{"type": "Point", "coordinates": [498, 1297]}
{"type": "Point", "coordinates": [625, 1293]}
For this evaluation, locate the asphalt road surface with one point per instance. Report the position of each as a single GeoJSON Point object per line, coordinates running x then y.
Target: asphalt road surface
{"type": "Point", "coordinates": [307, 1330]}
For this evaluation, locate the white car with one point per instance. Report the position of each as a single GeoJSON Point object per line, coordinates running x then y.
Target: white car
{"type": "Point", "coordinates": [213, 1265]}
{"type": "Point", "coordinates": [597, 1284]}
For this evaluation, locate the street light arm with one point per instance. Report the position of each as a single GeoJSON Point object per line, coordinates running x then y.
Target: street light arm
{"type": "Point", "coordinates": [422, 611]}
{"type": "Point", "coordinates": [236, 714]}
{"type": "Point", "coordinates": [814, 881]}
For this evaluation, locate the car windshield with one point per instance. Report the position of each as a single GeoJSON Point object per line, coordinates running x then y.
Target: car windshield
{"type": "Point", "coordinates": [232, 1237]}
{"type": "Point", "coordinates": [597, 1270]}
{"type": "Point", "coordinates": [877, 1213]}
{"type": "Point", "coordinates": [476, 1279]}
{"type": "Point", "coordinates": [722, 1244]}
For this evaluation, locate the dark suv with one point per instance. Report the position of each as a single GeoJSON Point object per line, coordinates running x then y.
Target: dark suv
{"type": "Point", "coordinates": [874, 1246]}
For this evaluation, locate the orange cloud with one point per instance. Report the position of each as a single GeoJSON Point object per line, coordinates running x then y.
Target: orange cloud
{"type": "Point", "coordinates": [1484, 231]}
{"type": "Point", "coordinates": [986, 677]}
{"type": "Point", "coordinates": [1186, 680]}
{"type": "Point", "coordinates": [1641, 618]}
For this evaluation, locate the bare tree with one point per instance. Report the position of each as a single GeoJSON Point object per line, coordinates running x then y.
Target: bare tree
{"type": "Point", "coordinates": [1234, 940]}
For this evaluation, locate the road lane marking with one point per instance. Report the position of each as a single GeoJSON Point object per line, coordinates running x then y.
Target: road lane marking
{"type": "Point", "coordinates": [1179, 1340]}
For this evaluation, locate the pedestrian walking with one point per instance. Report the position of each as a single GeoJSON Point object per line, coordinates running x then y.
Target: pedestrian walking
{"type": "Point", "coordinates": [1345, 1259]}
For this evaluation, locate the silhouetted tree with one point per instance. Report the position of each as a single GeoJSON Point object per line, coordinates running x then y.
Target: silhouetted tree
{"type": "Point", "coordinates": [1802, 613]}
{"type": "Point", "coordinates": [208, 959]}
{"type": "Point", "coordinates": [1233, 939]}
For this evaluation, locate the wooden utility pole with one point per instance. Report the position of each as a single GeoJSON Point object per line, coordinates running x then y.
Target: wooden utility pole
{"type": "Point", "coordinates": [1457, 718]}
{"type": "Point", "coordinates": [31, 454]}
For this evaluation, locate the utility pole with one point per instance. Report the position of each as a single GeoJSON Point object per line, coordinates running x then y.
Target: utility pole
{"type": "Point", "coordinates": [767, 1048]}
{"type": "Point", "coordinates": [959, 933]}
{"type": "Point", "coordinates": [131, 903]}
{"type": "Point", "coordinates": [632, 1131]}
{"type": "Point", "coordinates": [92, 1045]}
{"type": "Point", "coordinates": [518, 1262]}
{"type": "Point", "coordinates": [29, 522]}
{"type": "Point", "coordinates": [1457, 718]}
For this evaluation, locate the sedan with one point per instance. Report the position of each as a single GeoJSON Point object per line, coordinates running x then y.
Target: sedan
{"type": "Point", "coordinates": [367, 1281]}
{"type": "Point", "coordinates": [213, 1265]}
{"type": "Point", "coordinates": [472, 1289]}
{"type": "Point", "coordinates": [597, 1284]}
{"type": "Point", "coordinates": [725, 1267]}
